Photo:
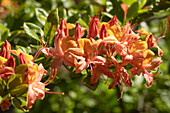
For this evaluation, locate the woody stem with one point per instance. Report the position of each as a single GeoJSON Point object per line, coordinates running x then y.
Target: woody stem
{"type": "Point", "coordinates": [121, 104]}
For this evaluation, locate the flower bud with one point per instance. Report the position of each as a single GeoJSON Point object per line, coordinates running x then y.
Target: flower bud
{"type": "Point", "coordinates": [5, 49]}
{"type": "Point", "coordinates": [93, 27]}
{"type": "Point", "coordinates": [77, 31]}
{"type": "Point", "coordinates": [10, 62]}
{"type": "Point", "coordinates": [103, 32]}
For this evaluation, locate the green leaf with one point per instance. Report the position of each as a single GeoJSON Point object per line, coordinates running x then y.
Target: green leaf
{"type": "Point", "coordinates": [82, 22]}
{"type": "Point", "coordinates": [16, 59]}
{"type": "Point", "coordinates": [129, 2]}
{"type": "Point", "coordinates": [142, 3]}
{"type": "Point", "coordinates": [86, 82]}
{"type": "Point", "coordinates": [41, 15]}
{"type": "Point", "coordinates": [4, 97]}
{"type": "Point", "coordinates": [4, 35]}
{"type": "Point", "coordinates": [20, 104]}
{"type": "Point", "coordinates": [14, 34]}
{"type": "Point", "coordinates": [36, 46]}
{"type": "Point", "coordinates": [2, 28]}
{"type": "Point", "coordinates": [21, 69]}
{"type": "Point", "coordinates": [15, 80]}
{"type": "Point", "coordinates": [53, 17]}
{"type": "Point", "coordinates": [19, 90]}
{"type": "Point", "coordinates": [111, 16]}
{"type": "Point", "coordinates": [117, 10]}
{"type": "Point", "coordinates": [31, 33]}
{"type": "Point", "coordinates": [49, 31]}
{"type": "Point", "coordinates": [34, 28]}
{"type": "Point", "coordinates": [39, 59]}
{"type": "Point", "coordinates": [2, 87]}
{"type": "Point", "coordinates": [24, 49]}
{"type": "Point", "coordinates": [133, 10]}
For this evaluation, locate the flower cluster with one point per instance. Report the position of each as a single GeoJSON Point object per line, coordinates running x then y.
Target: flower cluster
{"type": "Point", "coordinates": [99, 51]}
{"type": "Point", "coordinates": [19, 75]}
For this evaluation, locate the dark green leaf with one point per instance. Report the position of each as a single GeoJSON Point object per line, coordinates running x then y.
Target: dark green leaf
{"type": "Point", "coordinates": [53, 17]}
{"type": "Point", "coordinates": [133, 10]}
{"type": "Point", "coordinates": [86, 82]}
{"type": "Point", "coordinates": [20, 104]}
{"type": "Point", "coordinates": [19, 90]}
{"type": "Point", "coordinates": [15, 34]}
{"type": "Point", "coordinates": [21, 69]}
{"type": "Point", "coordinates": [3, 87]}
{"type": "Point", "coordinates": [117, 10]}
{"type": "Point", "coordinates": [16, 59]}
{"type": "Point", "coordinates": [4, 35]}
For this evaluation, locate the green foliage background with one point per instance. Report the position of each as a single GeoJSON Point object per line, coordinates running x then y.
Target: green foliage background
{"type": "Point", "coordinates": [23, 25]}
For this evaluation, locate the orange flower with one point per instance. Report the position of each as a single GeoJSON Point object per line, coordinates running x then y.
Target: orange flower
{"type": "Point", "coordinates": [36, 89]}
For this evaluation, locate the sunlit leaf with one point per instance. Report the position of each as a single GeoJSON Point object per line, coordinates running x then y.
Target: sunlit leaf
{"type": "Point", "coordinates": [31, 33]}
{"type": "Point", "coordinates": [41, 15]}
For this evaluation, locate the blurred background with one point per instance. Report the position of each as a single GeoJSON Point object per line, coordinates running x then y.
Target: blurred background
{"type": "Point", "coordinates": [149, 14]}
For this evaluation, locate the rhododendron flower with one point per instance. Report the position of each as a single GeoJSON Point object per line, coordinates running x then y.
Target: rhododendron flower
{"type": "Point", "coordinates": [5, 104]}
{"type": "Point", "coordinates": [87, 54]}
{"type": "Point", "coordinates": [36, 89]}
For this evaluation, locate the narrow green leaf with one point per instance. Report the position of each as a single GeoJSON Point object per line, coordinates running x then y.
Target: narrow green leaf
{"type": "Point", "coordinates": [41, 15]}
{"type": "Point", "coordinates": [82, 22]}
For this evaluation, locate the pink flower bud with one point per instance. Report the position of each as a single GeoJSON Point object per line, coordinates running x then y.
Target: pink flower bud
{"type": "Point", "coordinates": [113, 21]}
{"type": "Point", "coordinates": [93, 27]}
{"type": "Point", "coordinates": [5, 49]}
{"type": "Point", "coordinates": [63, 27]}
{"type": "Point", "coordinates": [10, 62]}
{"type": "Point", "coordinates": [103, 32]}
{"type": "Point", "coordinates": [77, 31]}
{"type": "Point", "coordinates": [22, 59]}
